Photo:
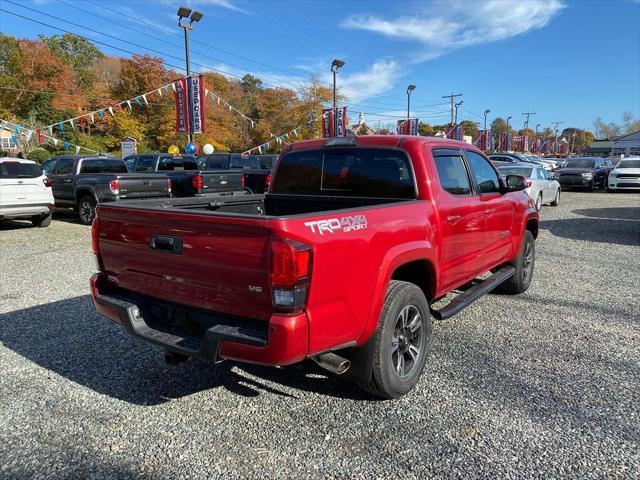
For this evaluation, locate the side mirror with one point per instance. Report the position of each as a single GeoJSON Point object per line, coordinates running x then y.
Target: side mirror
{"type": "Point", "coordinates": [516, 183]}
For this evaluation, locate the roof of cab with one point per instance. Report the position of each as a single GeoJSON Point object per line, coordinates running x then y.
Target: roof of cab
{"type": "Point", "coordinates": [391, 141]}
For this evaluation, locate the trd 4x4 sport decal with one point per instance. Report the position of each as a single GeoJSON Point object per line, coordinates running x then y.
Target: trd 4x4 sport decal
{"type": "Point", "coordinates": [332, 225]}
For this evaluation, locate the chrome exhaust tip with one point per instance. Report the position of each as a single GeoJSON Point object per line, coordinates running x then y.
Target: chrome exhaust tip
{"type": "Point", "coordinates": [332, 362]}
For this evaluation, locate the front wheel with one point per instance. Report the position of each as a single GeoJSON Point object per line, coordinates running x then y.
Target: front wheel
{"type": "Point", "coordinates": [87, 210]}
{"type": "Point", "coordinates": [524, 265]}
{"type": "Point", "coordinates": [539, 202]}
{"type": "Point", "coordinates": [403, 340]}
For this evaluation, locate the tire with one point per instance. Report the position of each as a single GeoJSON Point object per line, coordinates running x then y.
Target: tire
{"type": "Point", "coordinates": [539, 202]}
{"type": "Point", "coordinates": [590, 186]}
{"type": "Point", "coordinates": [402, 345]}
{"type": "Point", "coordinates": [603, 186]}
{"type": "Point", "coordinates": [556, 200]}
{"type": "Point", "coordinates": [524, 264]}
{"type": "Point", "coordinates": [41, 221]}
{"type": "Point", "coordinates": [247, 191]}
{"type": "Point", "coordinates": [611, 190]}
{"type": "Point", "coordinates": [87, 210]}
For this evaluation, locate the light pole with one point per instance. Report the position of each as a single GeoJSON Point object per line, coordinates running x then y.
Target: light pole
{"type": "Point", "coordinates": [508, 133]}
{"type": "Point", "coordinates": [486, 112]}
{"type": "Point", "coordinates": [192, 16]}
{"type": "Point", "coordinates": [410, 89]}
{"type": "Point", "coordinates": [455, 118]}
{"type": "Point", "coordinates": [335, 66]}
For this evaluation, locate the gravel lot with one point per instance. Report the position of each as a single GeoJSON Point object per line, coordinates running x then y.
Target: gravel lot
{"type": "Point", "coordinates": [544, 385]}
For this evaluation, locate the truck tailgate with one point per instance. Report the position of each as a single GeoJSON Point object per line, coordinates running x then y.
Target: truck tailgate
{"type": "Point", "coordinates": [205, 261]}
{"type": "Point", "coordinates": [143, 186]}
{"type": "Point", "coordinates": [222, 181]}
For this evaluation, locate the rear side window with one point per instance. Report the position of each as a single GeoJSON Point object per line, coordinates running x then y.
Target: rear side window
{"type": "Point", "coordinates": [103, 165]}
{"type": "Point", "coordinates": [49, 167]}
{"type": "Point", "coordinates": [485, 177]}
{"type": "Point", "coordinates": [177, 163]}
{"type": "Point", "coordinates": [19, 170]}
{"type": "Point", "coordinates": [358, 172]}
{"type": "Point", "coordinates": [65, 166]}
{"type": "Point", "coordinates": [452, 173]}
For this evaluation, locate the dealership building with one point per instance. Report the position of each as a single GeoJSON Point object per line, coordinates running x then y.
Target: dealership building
{"type": "Point", "coordinates": [626, 145]}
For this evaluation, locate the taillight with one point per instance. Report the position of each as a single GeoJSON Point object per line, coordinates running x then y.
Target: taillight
{"type": "Point", "coordinates": [242, 181]}
{"type": "Point", "coordinates": [47, 181]}
{"type": "Point", "coordinates": [114, 186]}
{"type": "Point", "coordinates": [290, 269]}
{"type": "Point", "coordinates": [169, 185]}
{"type": "Point", "coordinates": [197, 182]}
{"type": "Point", "coordinates": [529, 183]}
{"type": "Point", "coordinates": [267, 182]}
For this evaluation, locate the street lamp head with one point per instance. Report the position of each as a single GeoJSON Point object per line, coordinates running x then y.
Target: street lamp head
{"type": "Point", "coordinates": [184, 12]}
{"type": "Point", "coordinates": [196, 16]}
{"type": "Point", "coordinates": [336, 64]}
{"type": "Point", "coordinates": [509, 118]}
{"type": "Point", "coordinates": [537, 126]}
{"type": "Point", "coordinates": [486, 111]}
{"type": "Point", "coordinates": [410, 88]}
{"type": "Point", "coordinates": [459, 103]}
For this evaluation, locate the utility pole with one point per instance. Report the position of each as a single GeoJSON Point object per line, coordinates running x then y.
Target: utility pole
{"type": "Point", "coordinates": [556, 133]}
{"type": "Point", "coordinates": [452, 97]}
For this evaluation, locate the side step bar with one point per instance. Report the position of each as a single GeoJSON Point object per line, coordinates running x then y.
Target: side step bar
{"type": "Point", "coordinates": [471, 295]}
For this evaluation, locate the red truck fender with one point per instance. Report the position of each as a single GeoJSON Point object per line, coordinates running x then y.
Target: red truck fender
{"type": "Point", "coordinates": [418, 251]}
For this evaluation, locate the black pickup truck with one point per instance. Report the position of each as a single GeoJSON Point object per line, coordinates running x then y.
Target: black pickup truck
{"type": "Point", "coordinates": [255, 168]}
{"type": "Point", "coordinates": [81, 182]}
{"type": "Point", "coordinates": [187, 178]}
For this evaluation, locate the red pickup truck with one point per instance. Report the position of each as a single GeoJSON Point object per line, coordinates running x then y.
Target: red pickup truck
{"type": "Point", "coordinates": [344, 261]}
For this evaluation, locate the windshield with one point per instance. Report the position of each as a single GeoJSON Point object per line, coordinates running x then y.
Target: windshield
{"type": "Point", "coordinates": [629, 164]}
{"type": "Point", "coordinates": [523, 172]}
{"type": "Point", "coordinates": [19, 170]}
{"type": "Point", "coordinates": [580, 163]}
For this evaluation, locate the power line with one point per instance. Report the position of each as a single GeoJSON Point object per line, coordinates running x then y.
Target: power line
{"type": "Point", "coordinates": [452, 97]}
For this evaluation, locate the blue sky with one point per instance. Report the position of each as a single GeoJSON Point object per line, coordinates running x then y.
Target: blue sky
{"type": "Point", "coordinates": [566, 61]}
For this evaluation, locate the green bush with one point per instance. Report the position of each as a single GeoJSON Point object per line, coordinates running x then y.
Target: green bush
{"type": "Point", "coordinates": [38, 155]}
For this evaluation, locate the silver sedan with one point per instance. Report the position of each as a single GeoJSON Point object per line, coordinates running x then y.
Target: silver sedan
{"type": "Point", "coordinates": [541, 186]}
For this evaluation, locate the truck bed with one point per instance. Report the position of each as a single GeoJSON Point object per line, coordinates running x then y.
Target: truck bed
{"type": "Point", "coordinates": [263, 205]}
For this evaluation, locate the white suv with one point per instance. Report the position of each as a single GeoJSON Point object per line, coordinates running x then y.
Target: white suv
{"type": "Point", "coordinates": [25, 192]}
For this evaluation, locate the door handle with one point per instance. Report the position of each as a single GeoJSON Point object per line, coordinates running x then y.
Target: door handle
{"type": "Point", "coordinates": [453, 218]}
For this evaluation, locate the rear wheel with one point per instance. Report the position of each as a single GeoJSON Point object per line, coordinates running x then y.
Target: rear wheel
{"type": "Point", "coordinates": [38, 221]}
{"type": "Point", "coordinates": [87, 210]}
{"type": "Point", "coordinates": [403, 340]}
{"type": "Point", "coordinates": [556, 200]}
{"type": "Point", "coordinates": [524, 265]}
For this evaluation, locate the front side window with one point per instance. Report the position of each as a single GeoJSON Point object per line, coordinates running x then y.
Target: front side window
{"type": "Point", "coordinates": [65, 166]}
{"type": "Point", "coordinates": [484, 175]}
{"type": "Point", "coordinates": [452, 173]}
{"type": "Point", "coordinates": [49, 167]}
{"type": "Point", "coordinates": [541, 174]}
{"type": "Point", "coordinates": [364, 172]}
{"type": "Point", "coordinates": [145, 164]}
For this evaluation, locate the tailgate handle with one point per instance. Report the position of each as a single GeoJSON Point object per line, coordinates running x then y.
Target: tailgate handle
{"type": "Point", "coordinates": [166, 243]}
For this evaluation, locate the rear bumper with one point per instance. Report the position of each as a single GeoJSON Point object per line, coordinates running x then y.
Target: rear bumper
{"type": "Point", "coordinates": [8, 212]}
{"type": "Point", "coordinates": [283, 340]}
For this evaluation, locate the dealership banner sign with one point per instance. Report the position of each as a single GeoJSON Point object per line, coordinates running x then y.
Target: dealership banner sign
{"type": "Point", "coordinates": [328, 122]}
{"type": "Point", "coordinates": [182, 106]}
{"type": "Point", "coordinates": [195, 88]}
{"type": "Point", "coordinates": [407, 126]}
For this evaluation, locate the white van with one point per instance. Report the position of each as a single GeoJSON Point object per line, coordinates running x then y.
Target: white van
{"type": "Point", "coordinates": [25, 192]}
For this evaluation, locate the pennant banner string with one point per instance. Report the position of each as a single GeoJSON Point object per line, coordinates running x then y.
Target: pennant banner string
{"type": "Point", "coordinates": [12, 127]}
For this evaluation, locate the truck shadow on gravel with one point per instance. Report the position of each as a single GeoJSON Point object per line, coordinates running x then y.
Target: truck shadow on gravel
{"type": "Point", "coordinates": [620, 226]}
{"type": "Point", "coordinates": [69, 339]}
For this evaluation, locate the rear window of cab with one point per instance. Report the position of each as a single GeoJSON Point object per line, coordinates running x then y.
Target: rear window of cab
{"type": "Point", "coordinates": [356, 172]}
